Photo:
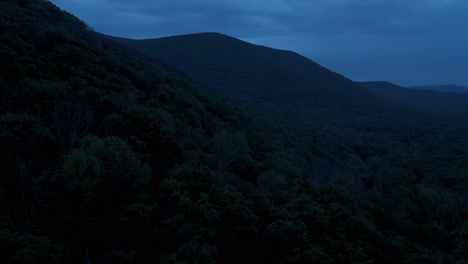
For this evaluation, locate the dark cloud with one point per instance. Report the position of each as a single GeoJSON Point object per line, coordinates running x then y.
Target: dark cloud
{"type": "Point", "coordinates": [405, 41]}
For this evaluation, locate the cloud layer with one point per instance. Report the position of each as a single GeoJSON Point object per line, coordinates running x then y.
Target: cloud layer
{"type": "Point", "coordinates": [405, 41]}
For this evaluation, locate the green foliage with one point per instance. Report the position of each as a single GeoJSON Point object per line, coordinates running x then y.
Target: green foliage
{"type": "Point", "coordinates": [23, 129]}
{"type": "Point", "coordinates": [17, 248]}
{"type": "Point", "coordinates": [105, 166]}
{"type": "Point", "coordinates": [13, 71]}
{"type": "Point", "coordinates": [229, 146]}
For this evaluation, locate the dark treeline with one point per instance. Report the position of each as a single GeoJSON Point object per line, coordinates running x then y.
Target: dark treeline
{"type": "Point", "coordinates": [107, 156]}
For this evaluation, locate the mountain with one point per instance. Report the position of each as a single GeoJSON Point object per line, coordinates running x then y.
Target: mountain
{"type": "Point", "coordinates": [263, 76]}
{"type": "Point", "coordinates": [442, 88]}
{"type": "Point", "coordinates": [240, 68]}
{"type": "Point", "coordinates": [452, 104]}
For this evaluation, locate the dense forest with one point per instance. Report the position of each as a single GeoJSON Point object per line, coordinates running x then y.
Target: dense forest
{"type": "Point", "coordinates": [108, 155]}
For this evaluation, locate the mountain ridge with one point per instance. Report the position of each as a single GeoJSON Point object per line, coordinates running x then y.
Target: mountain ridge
{"type": "Point", "coordinates": [204, 45]}
{"type": "Point", "coordinates": [263, 76]}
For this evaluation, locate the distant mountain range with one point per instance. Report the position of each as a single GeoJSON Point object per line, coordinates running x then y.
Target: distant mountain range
{"type": "Point", "coordinates": [453, 104]}
{"type": "Point", "coordinates": [449, 88]}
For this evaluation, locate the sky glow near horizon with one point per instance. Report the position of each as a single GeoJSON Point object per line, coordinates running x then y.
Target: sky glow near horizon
{"type": "Point", "coordinates": [407, 42]}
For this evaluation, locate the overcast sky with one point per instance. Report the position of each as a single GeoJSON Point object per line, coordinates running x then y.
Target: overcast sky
{"type": "Point", "coordinates": [407, 42]}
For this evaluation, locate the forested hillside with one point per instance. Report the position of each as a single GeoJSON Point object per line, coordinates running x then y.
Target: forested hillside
{"type": "Point", "coordinates": [108, 156]}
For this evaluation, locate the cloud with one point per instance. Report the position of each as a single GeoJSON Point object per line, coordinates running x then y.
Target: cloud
{"type": "Point", "coordinates": [407, 34]}
{"type": "Point", "coordinates": [247, 18]}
